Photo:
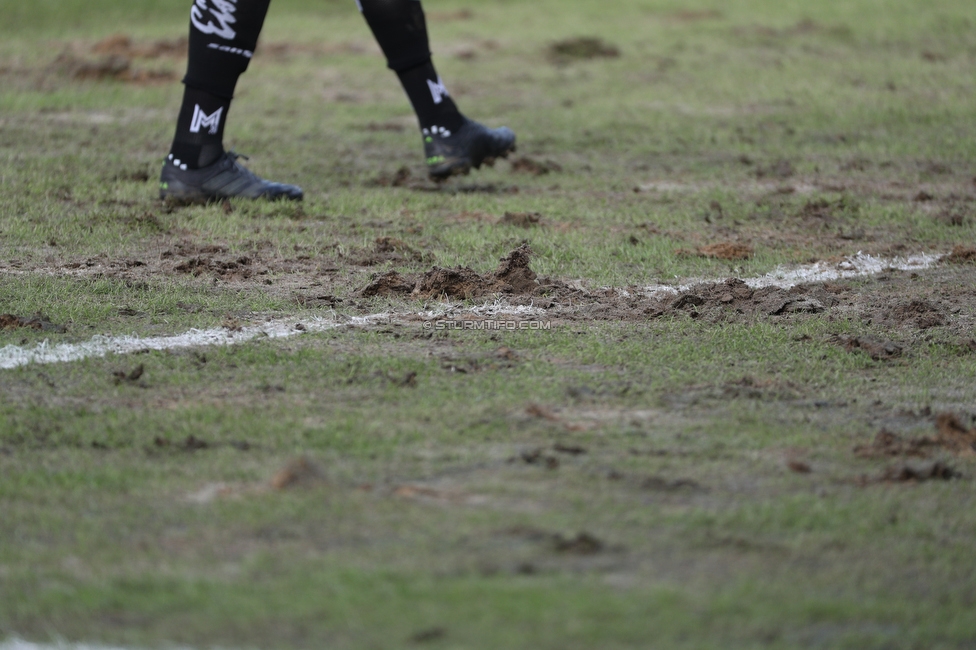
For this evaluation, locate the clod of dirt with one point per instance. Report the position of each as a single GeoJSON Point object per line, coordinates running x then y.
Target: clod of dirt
{"type": "Point", "coordinates": [582, 544]}
{"type": "Point", "coordinates": [460, 283]}
{"type": "Point", "coordinates": [237, 268]}
{"type": "Point", "coordinates": [877, 350]}
{"type": "Point", "coordinates": [954, 436]}
{"type": "Point", "coordinates": [317, 301]}
{"type": "Point", "coordinates": [122, 45]}
{"type": "Point", "coordinates": [951, 435]}
{"type": "Point", "coordinates": [526, 165]}
{"type": "Point", "coordinates": [513, 276]}
{"type": "Point", "coordinates": [520, 219]}
{"type": "Point", "coordinates": [301, 472]}
{"type": "Point", "coordinates": [427, 636]}
{"type": "Point", "coordinates": [192, 443]}
{"type": "Point", "coordinates": [400, 178]}
{"type": "Point", "coordinates": [38, 322]}
{"type": "Point", "coordinates": [129, 377]}
{"type": "Point", "coordinates": [799, 305]}
{"type": "Point", "coordinates": [917, 472]}
{"type": "Point", "coordinates": [658, 484]}
{"type": "Point", "coordinates": [726, 251]}
{"type": "Point", "coordinates": [781, 169]}
{"type": "Point", "coordinates": [799, 466]}
{"type": "Point", "coordinates": [390, 249]}
{"type": "Point", "coordinates": [720, 301]}
{"type": "Point", "coordinates": [694, 15]}
{"type": "Point", "coordinates": [112, 67]}
{"type": "Point", "coordinates": [961, 255]}
{"type": "Point", "coordinates": [920, 313]}
{"type": "Point", "coordinates": [887, 444]}
{"type": "Point", "coordinates": [956, 215]}
{"type": "Point", "coordinates": [389, 284]}
{"type": "Point", "coordinates": [538, 457]}
{"type": "Point", "coordinates": [572, 450]}
{"type": "Point", "coordinates": [585, 47]}
{"type": "Point", "coordinates": [537, 411]}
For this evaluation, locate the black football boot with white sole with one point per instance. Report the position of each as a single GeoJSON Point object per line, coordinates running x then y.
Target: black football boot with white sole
{"type": "Point", "coordinates": [471, 146]}
{"type": "Point", "coordinates": [224, 179]}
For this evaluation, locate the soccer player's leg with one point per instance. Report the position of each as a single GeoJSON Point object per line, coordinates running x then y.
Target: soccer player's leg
{"type": "Point", "coordinates": [223, 35]}
{"type": "Point", "coordinates": [453, 144]}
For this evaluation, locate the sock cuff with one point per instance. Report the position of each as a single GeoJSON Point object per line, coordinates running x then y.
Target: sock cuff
{"type": "Point", "coordinates": [222, 89]}
{"type": "Point", "coordinates": [408, 61]}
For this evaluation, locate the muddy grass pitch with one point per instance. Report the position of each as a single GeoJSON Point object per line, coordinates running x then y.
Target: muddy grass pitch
{"type": "Point", "coordinates": [694, 369]}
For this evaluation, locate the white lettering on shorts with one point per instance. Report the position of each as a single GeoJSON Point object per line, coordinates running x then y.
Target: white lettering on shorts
{"type": "Point", "coordinates": [221, 17]}
{"type": "Point", "coordinates": [201, 119]}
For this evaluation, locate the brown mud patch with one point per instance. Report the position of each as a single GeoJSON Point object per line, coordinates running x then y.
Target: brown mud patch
{"type": "Point", "coordinates": [721, 251]}
{"type": "Point", "coordinates": [533, 167]}
{"type": "Point", "coordinates": [961, 255]}
{"type": "Point", "coordinates": [513, 277]}
{"type": "Point", "coordinates": [694, 15]}
{"type": "Point", "coordinates": [521, 219]}
{"type": "Point", "coordinates": [390, 250]}
{"type": "Point", "coordinates": [583, 47]}
{"type": "Point", "coordinates": [122, 45]}
{"type": "Point", "coordinates": [735, 296]}
{"type": "Point", "coordinates": [951, 436]}
{"type": "Point", "coordinates": [109, 68]}
{"type": "Point", "coordinates": [114, 59]}
{"type": "Point", "coordinates": [37, 322]}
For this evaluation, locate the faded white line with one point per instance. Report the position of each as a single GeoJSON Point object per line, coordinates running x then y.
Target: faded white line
{"type": "Point", "coordinates": [19, 644]}
{"type": "Point", "coordinates": [13, 356]}
{"type": "Point", "coordinates": [853, 266]}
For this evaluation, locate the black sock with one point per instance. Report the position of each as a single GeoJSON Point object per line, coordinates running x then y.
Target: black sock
{"type": "Point", "coordinates": [223, 36]}
{"type": "Point", "coordinates": [434, 108]}
{"type": "Point", "coordinates": [199, 139]}
{"type": "Point", "coordinates": [401, 31]}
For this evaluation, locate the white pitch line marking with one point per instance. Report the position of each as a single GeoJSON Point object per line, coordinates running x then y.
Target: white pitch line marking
{"type": "Point", "coordinates": [19, 644]}
{"type": "Point", "coordinates": [13, 356]}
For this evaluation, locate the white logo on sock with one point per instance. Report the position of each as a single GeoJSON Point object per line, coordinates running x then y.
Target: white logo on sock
{"type": "Point", "coordinates": [222, 12]}
{"type": "Point", "coordinates": [201, 119]}
{"type": "Point", "coordinates": [437, 90]}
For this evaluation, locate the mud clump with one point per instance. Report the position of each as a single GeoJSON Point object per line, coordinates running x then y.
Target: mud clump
{"type": "Point", "coordinates": [238, 268]}
{"type": "Point", "coordinates": [301, 472]}
{"type": "Point", "coordinates": [513, 276]}
{"type": "Point", "coordinates": [878, 350]}
{"type": "Point", "coordinates": [123, 46]}
{"type": "Point", "coordinates": [581, 544]}
{"type": "Point", "coordinates": [389, 284]}
{"type": "Point", "coordinates": [389, 249]}
{"type": "Point", "coordinates": [962, 255]}
{"type": "Point", "coordinates": [514, 272]}
{"type": "Point", "coordinates": [453, 283]}
{"type": "Point", "coordinates": [781, 169]}
{"type": "Point", "coordinates": [955, 437]}
{"type": "Point", "coordinates": [37, 322]}
{"type": "Point", "coordinates": [951, 435]}
{"type": "Point", "coordinates": [888, 444]}
{"type": "Point", "coordinates": [109, 68]}
{"type": "Point", "coordinates": [918, 313]}
{"type": "Point", "coordinates": [521, 219]}
{"type": "Point", "coordinates": [717, 300]}
{"type": "Point", "coordinates": [917, 472]}
{"type": "Point", "coordinates": [726, 251]}
{"type": "Point", "coordinates": [584, 47]}
{"type": "Point", "coordinates": [526, 165]}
